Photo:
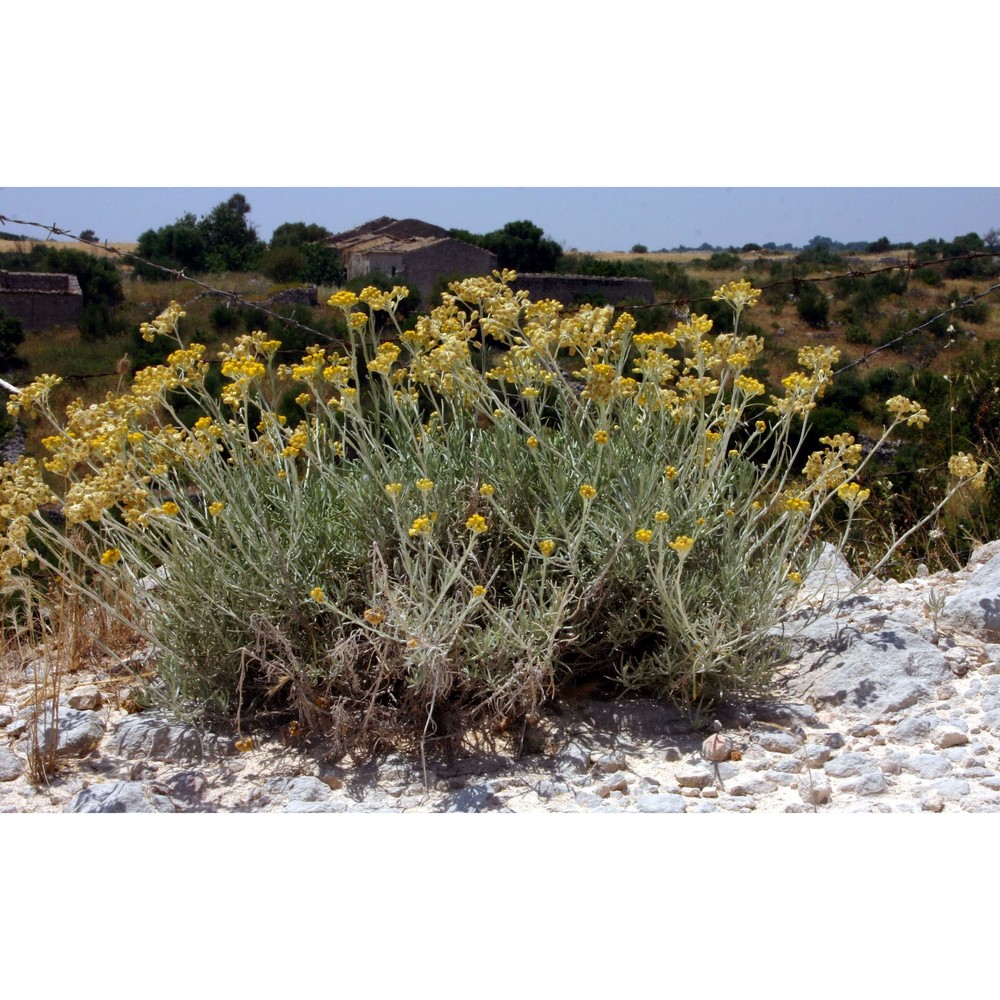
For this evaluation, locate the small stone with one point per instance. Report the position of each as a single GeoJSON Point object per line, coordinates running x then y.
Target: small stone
{"type": "Point", "coordinates": [717, 748]}
{"type": "Point", "coordinates": [849, 764]}
{"type": "Point", "coordinates": [927, 765]}
{"type": "Point", "coordinates": [660, 804]}
{"type": "Point", "coordinates": [781, 778]}
{"type": "Point", "coordinates": [617, 782]}
{"type": "Point", "coordinates": [477, 798]}
{"type": "Point", "coordinates": [932, 802]}
{"type": "Point", "coordinates": [86, 697]}
{"type": "Point", "coordinates": [912, 730]}
{"type": "Point", "coordinates": [609, 763]}
{"type": "Point", "coordinates": [6, 715]}
{"type": "Point", "coordinates": [865, 729]}
{"type": "Point", "coordinates": [814, 789]}
{"type": "Point", "coordinates": [700, 777]}
{"type": "Point", "coordinates": [789, 765]}
{"type": "Point", "coordinates": [710, 793]}
{"type": "Point", "coordinates": [871, 783]}
{"type": "Point", "coordinates": [11, 766]}
{"type": "Point", "coordinates": [815, 754]}
{"type": "Point", "coordinates": [758, 787]}
{"type": "Point", "coordinates": [945, 691]}
{"type": "Point", "coordinates": [951, 789]}
{"type": "Point", "coordinates": [691, 793]}
{"type": "Point", "coordinates": [120, 797]}
{"type": "Point", "coordinates": [835, 741]}
{"type": "Point", "coordinates": [779, 742]}
{"type": "Point", "coordinates": [68, 732]}
{"type": "Point", "coordinates": [574, 758]}
{"type": "Point", "coordinates": [671, 754]}
{"type": "Point", "coordinates": [949, 735]}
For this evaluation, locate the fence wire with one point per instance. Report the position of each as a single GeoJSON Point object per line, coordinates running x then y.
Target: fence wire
{"type": "Point", "coordinates": [235, 299]}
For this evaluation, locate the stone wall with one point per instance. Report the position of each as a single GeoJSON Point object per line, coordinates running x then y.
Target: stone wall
{"type": "Point", "coordinates": [571, 288]}
{"type": "Point", "coordinates": [41, 300]}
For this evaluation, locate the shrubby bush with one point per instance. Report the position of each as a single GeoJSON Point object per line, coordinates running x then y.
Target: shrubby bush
{"type": "Point", "coordinates": [411, 535]}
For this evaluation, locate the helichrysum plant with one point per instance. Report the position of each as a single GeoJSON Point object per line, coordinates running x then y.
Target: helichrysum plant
{"type": "Point", "coordinates": [452, 528]}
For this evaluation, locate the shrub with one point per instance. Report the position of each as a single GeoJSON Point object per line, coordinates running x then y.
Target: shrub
{"type": "Point", "coordinates": [640, 248]}
{"type": "Point", "coordinates": [11, 338]}
{"type": "Point", "coordinates": [724, 261]}
{"type": "Point", "coordinates": [223, 318]}
{"type": "Point", "coordinates": [855, 334]}
{"type": "Point", "coordinates": [813, 306]}
{"type": "Point", "coordinates": [450, 541]}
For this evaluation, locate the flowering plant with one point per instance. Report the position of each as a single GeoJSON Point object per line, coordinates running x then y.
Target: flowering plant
{"type": "Point", "coordinates": [463, 514]}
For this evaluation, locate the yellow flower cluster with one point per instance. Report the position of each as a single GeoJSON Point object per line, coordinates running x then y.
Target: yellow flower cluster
{"type": "Point", "coordinates": [421, 526]}
{"type": "Point", "coordinates": [853, 494]}
{"type": "Point", "coordinates": [477, 524]}
{"type": "Point", "coordinates": [643, 536]}
{"type": "Point", "coordinates": [963, 466]}
{"type": "Point", "coordinates": [587, 491]}
{"type": "Point", "coordinates": [739, 294]}
{"type": "Point", "coordinates": [34, 394]}
{"type": "Point", "coordinates": [165, 325]}
{"type": "Point", "coordinates": [682, 544]}
{"type": "Point", "coordinates": [546, 546]}
{"type": "Point", "coordinates": [386, 355]}
{"type": "Point", "coordinates": [901, 407]}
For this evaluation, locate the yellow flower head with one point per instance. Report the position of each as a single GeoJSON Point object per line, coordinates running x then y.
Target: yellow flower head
{"type": "Point", "coordinates": [394, 489]}
{"type": "Point", "coordinates": [317, 595]}
{"type": "Point", "coordinates": [644, 536]}
{"type": "Point", "coordinates": [215, 509]}
{"type": "Point", "coordinates": [244, 745]}
{"type": "Point", "coordinates": [532, 442]}
{"type": "Point", "coordinates": [478, 591]}
{"type": "Point", "coordinates": [546, 546]}
{"type": "Point", "coordinates": [486, 490]}
{"type": "Point", "coordinates": [425, 485]}
{"type": "Point", "coordinates": [661, 517]}
{"type": "Point", "coordinates": [852, 493]}
{"type": "Point", "coordinates": [601, 437]}
{"type": "Point", "coordinates": [342, 300]}
{"type": "Point", "coordinates": [373, 617]}
{"type": "Point", "coordinates": [794, 576]}
{"type": "Point", "coordinates": [682, 544]}
{"type": "Point", "coordinates": [670, 472]}
{"type": "Point", "coordinates": [110, 557]}
{"type": "Point", "coordinates": [477, 524]}
{"type": "Point", "coordinates": [738, 294]}
{"type": "Point", "coordinates": [357, 320]}
{"type": "Point", "coordinates": [588, 492]}
{"type": "Point", "coordinates": [421, 526]}
{"type": "Point", "coordinates": [170, 509]}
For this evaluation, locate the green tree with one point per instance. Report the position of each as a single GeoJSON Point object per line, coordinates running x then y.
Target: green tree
{"type": "Point", "coordinates": [180, 245]}
{"type": "Point", "coordinates": [519, 245]}
{"type": "Point", "coordinates": [294, 234]}
{"type": "Point", "coordinates": [11, 338]}
{"type": "Point", "coordinates": [231, 242]}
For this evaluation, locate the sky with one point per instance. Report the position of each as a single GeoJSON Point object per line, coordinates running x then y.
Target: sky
{"type": "Point", "coordinates": [583, 218]}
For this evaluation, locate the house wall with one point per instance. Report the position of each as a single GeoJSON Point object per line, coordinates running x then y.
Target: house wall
{"type": "Point", "coordinates": [41, 300]}
{"type": "Point", "coordinates": [422, 267]}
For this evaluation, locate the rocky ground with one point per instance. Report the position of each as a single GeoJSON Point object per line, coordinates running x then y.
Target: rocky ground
{"type": "Point", "coordinates": [891, 703]}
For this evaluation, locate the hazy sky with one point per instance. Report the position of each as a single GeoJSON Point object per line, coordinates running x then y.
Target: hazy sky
{"type": "Point", "coordinates": [594, 218]}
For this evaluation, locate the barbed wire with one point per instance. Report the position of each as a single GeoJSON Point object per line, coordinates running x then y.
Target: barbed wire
{"type": "Point", "coordinates": [232, 295]}
{"type": "Point", "coordinates": [910, 264]}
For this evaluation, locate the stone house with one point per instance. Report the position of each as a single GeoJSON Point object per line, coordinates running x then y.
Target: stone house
{"type": "Point", "coordinates": [410, 252]}
{"type": "Point", "coordinates": [41, 300]}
